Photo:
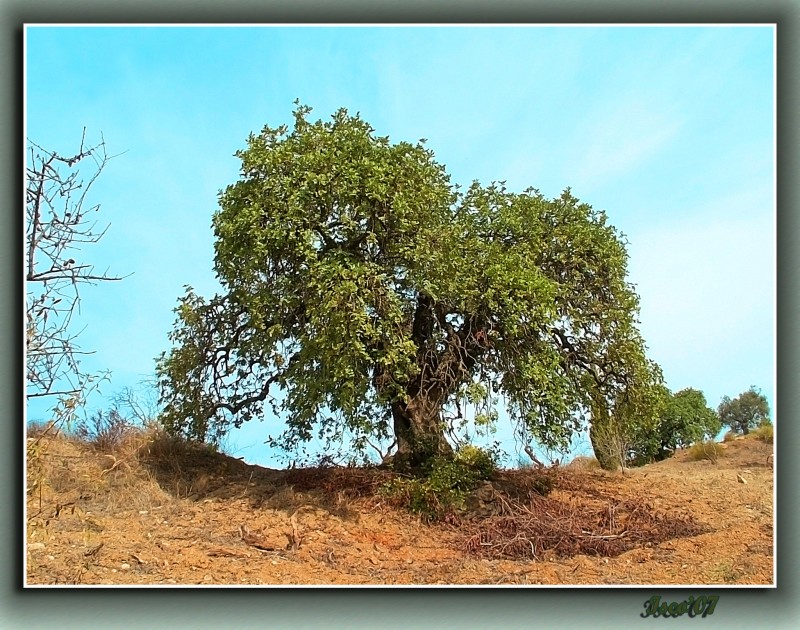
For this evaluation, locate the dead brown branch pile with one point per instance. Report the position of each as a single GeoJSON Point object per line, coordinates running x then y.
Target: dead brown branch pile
{"type": "Point", "coordinates": [545, 526]}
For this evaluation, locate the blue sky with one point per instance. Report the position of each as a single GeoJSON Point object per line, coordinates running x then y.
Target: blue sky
{"type": "Point", "coordinates": [670, 130]}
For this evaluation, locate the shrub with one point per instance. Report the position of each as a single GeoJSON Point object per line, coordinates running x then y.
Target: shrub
{"type": "Point", "coordinates": [764, 433]}
{"type": "Point", "coordinates": [729, 436]}
{"type": "Point", "coordinates": [479, 460]}
{"type": "Point", "coordinates": [709, 450]}
{"type": "Point", "coordinates": [443, 487]}
{"type": "Point", "coordinates": [544, 483]}
{"type": "Point", "coordinates": [614, 444]}
{"type": "Point", "coordinates": [418, 496]}
{"type": "Point", "coordinates": [106, 431]}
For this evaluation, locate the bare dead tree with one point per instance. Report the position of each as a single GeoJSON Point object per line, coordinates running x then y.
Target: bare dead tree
{"type": "Point", "coordinates": [58, 225]}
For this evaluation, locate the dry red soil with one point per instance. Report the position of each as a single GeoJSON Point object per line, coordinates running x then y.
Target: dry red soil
{"type": "Point", "coordinates": [191, 516]}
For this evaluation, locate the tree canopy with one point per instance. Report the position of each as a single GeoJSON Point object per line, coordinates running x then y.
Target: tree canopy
{"type": "Point", "coordinates": [683, 418]}
{"type": "Point", "coordinates": [745, 412]}
{"type": "Point", "coordinates": [364, 293]}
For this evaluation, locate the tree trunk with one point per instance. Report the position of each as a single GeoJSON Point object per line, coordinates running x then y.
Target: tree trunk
{"type": "Point", "coordinates": [606, 459]}
{"type": "Point", "coordinates": [419, 432]}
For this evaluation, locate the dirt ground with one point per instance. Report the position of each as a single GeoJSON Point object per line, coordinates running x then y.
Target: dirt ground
{"type": "Point", "coordinates": [198, 517]}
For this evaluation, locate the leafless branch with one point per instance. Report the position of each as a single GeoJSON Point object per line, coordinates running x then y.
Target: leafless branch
{"type": "Point", "coordinates": [58, 222]}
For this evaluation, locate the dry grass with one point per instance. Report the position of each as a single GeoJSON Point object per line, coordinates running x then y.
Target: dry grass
{"type": "Point", "coordinates": [158, 510]}
{"type": "Point", "coordinates": [708, 450]}
{"type": "Point", "coordinates": [765, 433]}
{"type": "Point", "coordinates": [65, 472]}
{"type": "Point", "coordinates": [584, 462]}
{"type": "Point", "coordinates": [574, 527]}
{"type": "Point", "coordinates": [724, 572]}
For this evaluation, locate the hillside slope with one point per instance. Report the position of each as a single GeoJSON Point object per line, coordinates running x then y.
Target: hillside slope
{"type": "Point", "coordinates": [156, 512]}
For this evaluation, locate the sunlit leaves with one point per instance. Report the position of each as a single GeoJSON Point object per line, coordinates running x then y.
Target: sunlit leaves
{"type": "Point", "coordinates": [356, 277]}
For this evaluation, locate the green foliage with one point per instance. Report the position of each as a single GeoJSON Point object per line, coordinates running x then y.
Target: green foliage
{"type": "Point", "coordinates": [688, 419]}
{"type": "Point", "coordinates": [622, 426]}
{"type": "Point", "coordinates": [684, 418]}
{"type": "Point", "coordinates": [443, 486]}
{"type": "Point", "coordinates": [482, 462]}
{"type": "Point", "coordinates": [652, 426]}
{"type": "Point", "coordinates": [746, 412]}
{"type": "Point", "coordinates": [372, 293]}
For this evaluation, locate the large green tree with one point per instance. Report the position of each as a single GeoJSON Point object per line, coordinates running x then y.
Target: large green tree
{"type": "Point", "coordinates": [363, 292]}
{"type": "Point", "coordinates": [744, 412]}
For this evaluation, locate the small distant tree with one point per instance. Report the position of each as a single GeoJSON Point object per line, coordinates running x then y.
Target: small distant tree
{"type": "Point", "coordinates": [685, 419]}
{"type": "Point", "coordinates": [58, 225]}
{"type": "Point", "coordinates": [749, 410]}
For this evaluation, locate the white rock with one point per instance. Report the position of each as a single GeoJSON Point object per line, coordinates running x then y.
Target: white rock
{"type": "Point", "coordinates": [124, 566]}
{"type": "Point", "coordinates": [37, 546]}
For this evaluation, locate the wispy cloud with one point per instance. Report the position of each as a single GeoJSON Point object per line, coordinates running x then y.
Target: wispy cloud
{"type": "Point", "coordinates": [707, 288]}
{"type": "Point", "coordinates": [621, 139]}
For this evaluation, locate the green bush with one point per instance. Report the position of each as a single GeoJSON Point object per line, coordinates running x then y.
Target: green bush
{"type": "Point", "coordinates": [418, 496]}
{"type": "Point", "coordinates": [443, 487]}
{"type": "Point", "coordinates": [482, 462]}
